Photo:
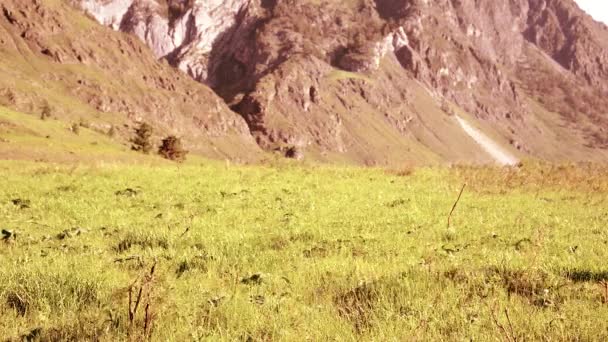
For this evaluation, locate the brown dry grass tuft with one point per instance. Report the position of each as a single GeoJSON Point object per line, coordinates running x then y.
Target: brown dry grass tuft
{"type": "Point", "coordinates": [357, 305]}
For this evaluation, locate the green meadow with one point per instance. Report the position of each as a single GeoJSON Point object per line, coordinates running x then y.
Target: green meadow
{"type": "Point", "coordinates": [288, 252]}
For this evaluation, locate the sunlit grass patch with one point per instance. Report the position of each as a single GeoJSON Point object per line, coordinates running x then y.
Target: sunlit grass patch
{"type": "Point", "coordinates": [292, 252]}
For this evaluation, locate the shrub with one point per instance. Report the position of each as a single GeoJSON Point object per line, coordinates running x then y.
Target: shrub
{"type": "Point", "coordinates": [293, 152]}
{"type": "Point", "coordinates": [46, 111]}
{"type": "Point", "coordinates": [142, 142]}
{"type": "Point", "coordinates": [84, 123]}
{"type": "Point", "coordinates": [75, 128]}
{"type": "Point", "coordinates": [112, 131]}
{"type": "Point", "coordinates": [11, 97]}
{"type": "Point", "coordinates": [172, 149]}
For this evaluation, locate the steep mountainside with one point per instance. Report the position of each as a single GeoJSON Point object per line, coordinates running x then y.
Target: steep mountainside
{"type": "Point", "coordinates": [390, 81]}
{"type": "Point", "coordinates": [54, 59]}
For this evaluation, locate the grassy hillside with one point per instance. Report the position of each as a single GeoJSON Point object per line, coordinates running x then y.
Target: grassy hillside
{"type": "Point", "coordinates": [55, 59]}
{"type": "Point", "coordinates": [28, 137]}
{"type": "Point", "coordinates": [288, 252]}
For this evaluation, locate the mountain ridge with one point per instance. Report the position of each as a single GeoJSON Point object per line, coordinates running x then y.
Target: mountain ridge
{"type": "Point", "coordinates": [381, 82]}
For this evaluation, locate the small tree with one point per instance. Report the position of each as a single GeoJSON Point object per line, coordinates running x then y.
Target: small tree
{"type": "Point", "coordinates": [46, 111]}
{"type": "Point", "coordinates": [75, 128]}
{"type": "Point", "coordinates": [112, 131]}
{"type": "Point", "coordinates": [142, 141]}
{"type": "Point", "coordinates": [13, 98]}
{"type": "Point", "coordinates": [172, 149]}
{"type": "Point", "coordinates": [294, 152]}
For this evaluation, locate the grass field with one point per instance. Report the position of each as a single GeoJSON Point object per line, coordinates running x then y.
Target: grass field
{"type": "Point", "coordinates": [292, 252]}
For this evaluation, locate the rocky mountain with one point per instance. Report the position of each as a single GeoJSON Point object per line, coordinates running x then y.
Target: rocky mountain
{"type": "Point", "coordinates": [55, 59]}
{"type": "Point", "coordinates": [389, 81]}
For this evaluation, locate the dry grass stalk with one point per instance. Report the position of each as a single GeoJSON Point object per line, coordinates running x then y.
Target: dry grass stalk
{"type": "Point", "coordinates": [509, 335]}
{"type": "Point", "coordinates": [145, 289]}
{"type": "Point", "coordinates": [455, 204]}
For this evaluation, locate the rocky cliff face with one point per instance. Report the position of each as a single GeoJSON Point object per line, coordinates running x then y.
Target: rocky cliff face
{"type": "Point", "coordinates": [380, 81]}
{"type": "Point", "coordinates": [571, 38]}
{"type": "Point", "coordinates": [183, 31]}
